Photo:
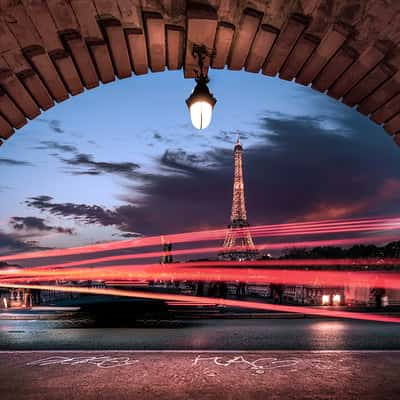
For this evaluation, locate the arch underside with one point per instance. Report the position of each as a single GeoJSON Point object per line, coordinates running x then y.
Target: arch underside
{"type": "Point", "coordinates": [50, 50]}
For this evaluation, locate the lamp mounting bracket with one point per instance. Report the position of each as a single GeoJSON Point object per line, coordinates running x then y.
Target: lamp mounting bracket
{"type": "Point", "coordinates": [201, 52]}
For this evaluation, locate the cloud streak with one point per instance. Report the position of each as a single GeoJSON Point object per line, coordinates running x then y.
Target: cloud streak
{"type": "Point", "coordinates": [53, 124]}
{"type": "Point", "coordinates": [52, 145]}
{"type": "Point", "coordinates": [14, 163]}
{"type": "Point", "coordinates": [85, 164]}
{"type": "Point", "coordinates": [10, 243]}
{"type": "Point", "coordinates": [37, 224]}
{"type": "Point", "coordinates": [90, 214]}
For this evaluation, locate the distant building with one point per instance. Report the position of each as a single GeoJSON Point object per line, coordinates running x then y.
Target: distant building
{"type": "Point", "coordinates": [238, 244]}
{"type": "Point", "coordinates": [166, 258]}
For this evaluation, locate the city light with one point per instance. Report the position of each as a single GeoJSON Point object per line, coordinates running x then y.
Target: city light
{"type": "Point", "coordinates": [336, 299]}
{"type": "Point", "coordinates": [325, 299]}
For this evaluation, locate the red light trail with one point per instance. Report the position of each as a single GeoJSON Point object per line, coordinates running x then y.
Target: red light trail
{"type": "Point", "coordinates": [211, 300]}
{"type": "Point", "coordinates": [278, 230]}
{"type": "Point", "coordinates": [215, 250]}
{"type": "Point", "coordinates": [255, 272]}
{"type": "Point", "coordinates": [250, 272]}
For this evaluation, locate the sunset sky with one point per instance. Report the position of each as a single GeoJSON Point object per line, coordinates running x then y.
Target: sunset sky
{"type": "Point", "coordinates": [123, 160]}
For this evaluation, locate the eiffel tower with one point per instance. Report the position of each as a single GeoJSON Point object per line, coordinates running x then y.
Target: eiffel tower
{"type": "Point", "coordinates": [238, 244]}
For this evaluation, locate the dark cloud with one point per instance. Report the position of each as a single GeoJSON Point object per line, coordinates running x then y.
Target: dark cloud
{"type": "Point", "coordinates": [56, 126]}
{"type": "Point", "coordinates": [84, 164]}
{"type": "Point", "coordinates": [90, 214]}
{"type": "Point", "coordinates": [53, 124]}
{"type": "Point", "coordinates": [314, 168]}
{"type": "Point", "coordinates": [38, 224]}
{"type": "Point", "coordinates": [178, 161]}
{"type": "Point", "coordinates": [128, 235]}
{"type": "Point", "coordinates": [11, 162]}
{"type": "Point", "coordinates": [182, 162]}
{"type": "Point", "coordinates": [10, 243]}
{"type": "Point", "coordinates": [49, 144]}
{"type": "Point", "coordinates": [305, 168]}
{"type": "Point", "coordinates": [157, 136]}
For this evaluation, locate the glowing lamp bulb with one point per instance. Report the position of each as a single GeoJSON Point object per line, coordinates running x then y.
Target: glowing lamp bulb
{"type": "Point", "coordinates": [201, 103]}
{"type": "Point", "coordinates": [200, 114]}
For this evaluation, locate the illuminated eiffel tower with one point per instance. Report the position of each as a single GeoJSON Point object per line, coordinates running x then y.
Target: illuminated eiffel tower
{"type": "Point", "coordinates": [238, 244]}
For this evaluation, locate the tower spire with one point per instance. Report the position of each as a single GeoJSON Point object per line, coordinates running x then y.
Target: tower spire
{"type": "Point", "coordinates": [238, 244]}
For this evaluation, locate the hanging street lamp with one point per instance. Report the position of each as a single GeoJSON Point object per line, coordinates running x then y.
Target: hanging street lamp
{"type": "Point", "coordinates": [201, 101]}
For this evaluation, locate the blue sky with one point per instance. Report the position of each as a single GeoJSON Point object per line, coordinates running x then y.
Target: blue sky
{"type": "Point", "coordinates": [130, 144]}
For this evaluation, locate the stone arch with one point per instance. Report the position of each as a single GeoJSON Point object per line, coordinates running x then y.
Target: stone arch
{"type": "Point", "coordinates": [53, 49]}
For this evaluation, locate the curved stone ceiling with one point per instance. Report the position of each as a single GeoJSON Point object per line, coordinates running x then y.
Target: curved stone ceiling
{"type": "Point", "coordinates": [53, 49]}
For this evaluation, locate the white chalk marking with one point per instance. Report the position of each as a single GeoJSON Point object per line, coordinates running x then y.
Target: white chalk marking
{"type": "Point", "coordinates": [100, 362]}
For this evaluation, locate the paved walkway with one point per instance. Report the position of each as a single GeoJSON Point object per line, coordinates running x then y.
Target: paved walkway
{"type": "Point", "coordinates": [199, 375]}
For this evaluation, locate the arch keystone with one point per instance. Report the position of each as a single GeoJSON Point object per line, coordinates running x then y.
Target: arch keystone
{"type": "Point", "coordinates": [137, 50]}
{"type": "Point", "coordinates": [175, 40]}
{"type": "Point", "coordinates": [155, 37]}
{"type": "Point", "coordinates": [329, 45]}
{"type": "Point", "coordinates": [368, 59]}
{"type": "Point", "coordinates": [261, 47]}
{"type": "Point", "coordinates": [299, 56]}
{"type": "Point", "coordinates": [10, 111]}
{"type": "Point", "coordinates": [35, 86]}
{"type": "Point", "coordinates": [66, 68]}
{"type": "Point", "coordinates": [393, 125]}
{"type": "Point", "coordinates": [117, 44]}
{"type": "Point", "coordinates": [222, 46]}
{"type": "Point", "coordinates": [11, 84]}
{"type": "Point", "coordinates": [41, 62]}
{"type": "Point", "coordinates": [288, 37]}
{"type": "Point", "coordinates": [244, 37]}
{"type": "Point", "coordinates": [6, 130]}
